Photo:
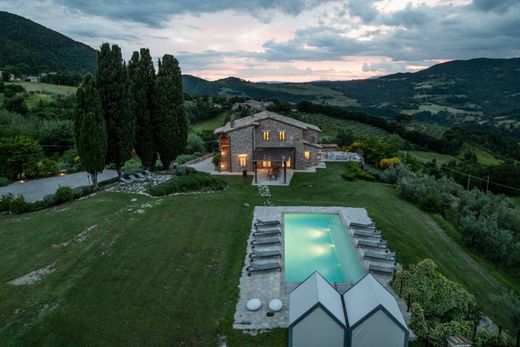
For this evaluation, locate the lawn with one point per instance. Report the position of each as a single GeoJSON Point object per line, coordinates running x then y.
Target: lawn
{"type": "Point", "coordinates": [167, 273]}
{"type": "Point", "coordinates": [47, 88]}
{"type": "Point", "coordinates": [209, 124]}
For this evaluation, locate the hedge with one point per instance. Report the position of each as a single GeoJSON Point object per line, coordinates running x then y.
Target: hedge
{"type": "Point", "coordinates": [188, 183]}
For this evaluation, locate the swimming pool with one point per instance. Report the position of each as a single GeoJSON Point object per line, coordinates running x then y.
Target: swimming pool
{"type": "Point", "coordinates": [319, 242]}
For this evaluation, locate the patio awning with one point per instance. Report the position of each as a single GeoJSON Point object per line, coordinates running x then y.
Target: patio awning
{"type": "Point", "coordinates": [273, 154]}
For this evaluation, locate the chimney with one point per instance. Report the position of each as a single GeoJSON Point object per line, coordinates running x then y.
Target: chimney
{"type": "Point", "coordinates": [232, 123]}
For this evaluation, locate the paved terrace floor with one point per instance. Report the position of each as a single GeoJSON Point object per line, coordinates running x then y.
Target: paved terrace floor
{"type": "Point", "coordinates": [263, 178]}
{"type": "Point", "coordinates": [37, 189]}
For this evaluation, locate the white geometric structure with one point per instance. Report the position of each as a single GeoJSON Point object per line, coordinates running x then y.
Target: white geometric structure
{"type": "Point", "coordinates": [374, 318]}
{"type": "Point", "coordinates": [316, 316]}
{"type": "Point", "coordinates": [366, 315]}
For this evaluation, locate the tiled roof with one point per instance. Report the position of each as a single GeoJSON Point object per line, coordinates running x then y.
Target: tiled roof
{"type": "Point", "coordinates": [254, 119]}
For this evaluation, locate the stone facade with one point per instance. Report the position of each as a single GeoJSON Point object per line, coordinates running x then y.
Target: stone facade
{"type": "Point", "coordinates": [269, 130]}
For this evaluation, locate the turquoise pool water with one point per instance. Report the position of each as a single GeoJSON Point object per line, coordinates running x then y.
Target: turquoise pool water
{"type": "Point", "coordinates": [319, 242]}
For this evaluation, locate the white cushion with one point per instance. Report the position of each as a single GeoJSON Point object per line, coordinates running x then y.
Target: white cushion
{"type": "Point", "coordinates": [253, 304]}
{"type": "Point", "coordinates": [275, 305]}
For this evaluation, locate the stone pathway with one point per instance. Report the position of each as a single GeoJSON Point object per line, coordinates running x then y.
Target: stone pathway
{"type": "Point", "coordinates": [265, 193]}
{"type": "Point", "coordinates": [140, 187]}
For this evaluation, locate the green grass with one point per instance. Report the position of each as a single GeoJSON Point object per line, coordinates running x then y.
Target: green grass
{"type": "Point", "coordinates": [330, 126]}
{"type": "Point", "coordinates": [34, 99]}
{"type": "Point", "coordinates": [426, 156]}
{"type": "Point", "coordinates": [210, 124]}
{"type": "Point", "coordinates": [169, 276]}
{"type": "Point", "coordinates": [483, 157]}
{"type": "Point", "coordinates": [47, 88]}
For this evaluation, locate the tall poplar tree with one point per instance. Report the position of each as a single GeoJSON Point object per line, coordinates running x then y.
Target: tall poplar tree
{"type": "Point", "coordinates": [90, 129]}
{"type": "Point", "coordinates": [115, 93]}
{"type": "Point", "coordinates": [142, 74]}
{"type": "Point", "coordinates": [169, 119]}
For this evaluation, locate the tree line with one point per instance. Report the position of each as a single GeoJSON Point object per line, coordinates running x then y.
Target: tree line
{"type": "Point", "coordinates": [449, 143]}
{"type": "Point", "coordinates": [128, 107]}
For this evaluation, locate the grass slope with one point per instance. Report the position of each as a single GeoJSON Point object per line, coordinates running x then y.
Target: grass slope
{"type": "Point", "coordinates": [47, 88]}
{"type": "Point", "coordinates": [169, 275]}
{"type": "Point", "coordinates": [209, 124]}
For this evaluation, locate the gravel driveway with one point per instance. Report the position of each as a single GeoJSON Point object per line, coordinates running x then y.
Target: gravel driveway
{"type": "Point", "coordinates": [35, 190]}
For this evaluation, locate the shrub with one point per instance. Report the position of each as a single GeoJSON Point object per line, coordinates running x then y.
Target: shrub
{"type": "Point", "coordinates": [11, 204]}
{"type": "Point", "coordinates": [194, 143]}
{"type": "Point", "coordinates": [184, 158]}
{"type": "Point", "coordinates": [16, 104]}
{"type": "Point", "coordinates": [63, 194]}
{"type": "Point", "coordinates": [440, 307]}
{"type": "Point", "coordinates": [388, 162]}
{"type": "Point", "coordinates": [4, 181]}
{"type": "Point", "coordinates": [48, 168]}
{"type": "Point", "coordinates": [354, 171]}
{"type": "Point", "coordinates": [215, 160]}
{"type": "Point", "coordinates": [187, 183]}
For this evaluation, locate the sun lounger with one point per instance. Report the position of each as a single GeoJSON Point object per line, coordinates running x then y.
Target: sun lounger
{"type": "Point", "coordinates": [374, 233]}
{"type": "Point", "coordinates": [382, 269]}
{"type": "Point", "coordinates": [267, 232]}
{"type": "Point", "coordinates": [265, 254]}
{"type": "Point", "coordinates": [362, 226]}
{"type": "Point", "coordinates": [266, 222]}
{"type": "Point", "coordinates": [262, 267]}
{"type": "Point", "coordinates": [266, 241]}
{"type": "Point", "coordinates": [390, 256]}
{"type": "Point", "coordinates": [366, 243]}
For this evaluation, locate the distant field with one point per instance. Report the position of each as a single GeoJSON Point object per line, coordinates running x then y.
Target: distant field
{"type": "Point", "coordinates": [425, 156]}
{"type": "Point", "coordinates": [210, 124]}
{"type": "Point", "coordinates": [434, 108]}
{"type": "Point", "coordinates": [320, 94]}
{"type": "Point", "coordinates": [431, 129]}
{"type": "Point", "coordinates": [484, 157]}
{"type": "Point", "coordinates": [47, 88]}
{"type": "Point", "coordinates": [330, 126]}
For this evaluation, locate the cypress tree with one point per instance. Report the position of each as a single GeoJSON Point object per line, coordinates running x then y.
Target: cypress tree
{"type": "Point", "coordinates": [115, 93]}
{"type": "Point", "coordinates": [90, 129]}
{"type": "Point", "coordinates": [142, 75]}
{"type": "Point", "coordinates": [169, 119]}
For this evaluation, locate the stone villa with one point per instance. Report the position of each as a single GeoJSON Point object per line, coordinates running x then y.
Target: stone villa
{"type": "Point", "coordinates": [267, 141]}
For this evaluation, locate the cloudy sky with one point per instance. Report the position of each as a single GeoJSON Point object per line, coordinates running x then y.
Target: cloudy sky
{"type": "Point", "coordinates": [290, 40]}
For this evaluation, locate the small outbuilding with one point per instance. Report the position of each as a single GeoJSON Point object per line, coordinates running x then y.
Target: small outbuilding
{"type": "Point", "coordinates": [373, 316]}
{"type": "Point", "coordinates": [316, 316]}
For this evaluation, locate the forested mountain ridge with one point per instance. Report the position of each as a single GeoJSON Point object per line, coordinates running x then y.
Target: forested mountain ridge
{"type": "Point", "coordinates": [31, 48]}
{"type": "Point", "coordinates": [480, 90]}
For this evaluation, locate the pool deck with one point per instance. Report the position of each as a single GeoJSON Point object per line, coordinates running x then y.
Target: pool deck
{"type": "Point", "coordinates": [271, 285]}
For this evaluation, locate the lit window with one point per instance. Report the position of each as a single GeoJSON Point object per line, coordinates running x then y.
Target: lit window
{"type": "Point", "coordinates": [266, 135]}
{"type": "Point", "coordinates": [281, 135]}
{"type": "Point", "coordinates": [242, 159]}
{"type": "Point", "coordinates": [307, 155]}
{"type": "Point", "coordinates": [266, 163]}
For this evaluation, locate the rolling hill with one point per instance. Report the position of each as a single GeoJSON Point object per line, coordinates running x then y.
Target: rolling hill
{"type": "Point", "coordinates": [477, 90]}
{"type": "Point", "coordinates": [35, 48]}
